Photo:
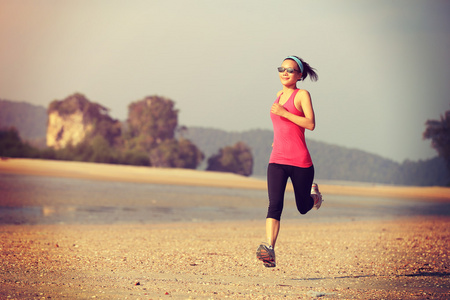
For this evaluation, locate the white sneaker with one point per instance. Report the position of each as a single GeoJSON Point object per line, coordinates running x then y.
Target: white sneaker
{"type": "Point", "coordinates": [317, 196]}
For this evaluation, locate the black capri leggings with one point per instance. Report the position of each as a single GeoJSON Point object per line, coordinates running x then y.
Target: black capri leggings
{"type": "Point", "coordinates": [302, 179]}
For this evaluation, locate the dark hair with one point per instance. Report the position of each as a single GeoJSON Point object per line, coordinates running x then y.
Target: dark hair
{"type": "Point", "coordinates": [307, 70]}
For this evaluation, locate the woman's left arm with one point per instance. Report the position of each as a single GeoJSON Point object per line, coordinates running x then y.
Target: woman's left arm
{"type": "Point", "coordinates": [302, 102]}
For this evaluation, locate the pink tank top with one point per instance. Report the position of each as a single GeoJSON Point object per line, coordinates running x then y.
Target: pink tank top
{"type": "Point", "coordinates": [289, 146]}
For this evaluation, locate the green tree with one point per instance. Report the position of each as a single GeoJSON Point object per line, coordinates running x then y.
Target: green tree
{"type": "Point", "coordinates": [135, 158]}
{"type": "Point", "coordinates": [151, 121]}
{"type": "Point", "coordinates": [102, 152]}
{"type": "Point", "coordinates": [439, 133]}
{"type": "Point", "coordinates": [234, 159]}
{"type": "Point", "coordinates": [152, 124]}
{"type": "Point", "coordinates": [176, 154]}
{"type": "Point", "coordinates": [11, 145]}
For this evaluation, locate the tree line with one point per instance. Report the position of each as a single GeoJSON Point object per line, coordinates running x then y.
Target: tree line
{"type": "Point", "coordinates": [147, 138]}
{"type": "Point", "coordinates": [332, 162]}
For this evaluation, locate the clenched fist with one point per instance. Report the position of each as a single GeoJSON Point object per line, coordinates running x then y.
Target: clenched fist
{"type": "Point", "coordinates": [278, 109]}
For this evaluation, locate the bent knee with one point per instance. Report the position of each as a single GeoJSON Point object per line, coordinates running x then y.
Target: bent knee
{"type": "Point", "coordinates": [304, 210]}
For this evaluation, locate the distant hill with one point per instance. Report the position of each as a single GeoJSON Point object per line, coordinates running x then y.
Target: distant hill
{"type": "Point", "coordinates": [30, 120]}
{"type": "Point", "coordinates": [331, 162]}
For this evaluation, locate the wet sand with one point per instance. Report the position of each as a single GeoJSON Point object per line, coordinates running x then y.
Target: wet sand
{"type": "Point", "coordinates": [94, 171]}
{"type": "Point", "coordinates": [405, 258]}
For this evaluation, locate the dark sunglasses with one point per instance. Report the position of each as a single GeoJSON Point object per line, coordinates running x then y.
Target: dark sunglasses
{"type": "Point", "coordinates": [289, 70]}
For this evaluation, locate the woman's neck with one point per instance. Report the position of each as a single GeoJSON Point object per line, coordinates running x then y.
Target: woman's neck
{"type": "Point", "coordinates": [289, 89]}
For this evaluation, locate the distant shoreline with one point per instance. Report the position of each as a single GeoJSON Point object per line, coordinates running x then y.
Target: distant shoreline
{"type": "Point", "coordinates": [125, 173]}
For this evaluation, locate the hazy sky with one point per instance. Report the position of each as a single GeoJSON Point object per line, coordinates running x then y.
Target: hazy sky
{"type": "Point", "coordinates": [384, 66]}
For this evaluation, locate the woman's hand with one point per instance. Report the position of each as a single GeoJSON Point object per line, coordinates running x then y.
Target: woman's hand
{"type": "Point", "coordinates": [278, 109]}
{"type": "Point", "coordinates": [302, 102]}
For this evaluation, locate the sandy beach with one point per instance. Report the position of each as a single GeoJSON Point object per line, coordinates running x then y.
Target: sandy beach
{"type": "Point", "coordinates": [401, 258]}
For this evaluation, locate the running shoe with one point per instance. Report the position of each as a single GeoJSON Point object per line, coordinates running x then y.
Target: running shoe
{"type": "Point", "coordinates": [317, 196]}
{"type": "Point", "coordinates": [266, 254]}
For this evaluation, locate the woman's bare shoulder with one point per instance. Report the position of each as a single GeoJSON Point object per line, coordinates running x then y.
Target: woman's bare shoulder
{"type": "Point", "coordinates": [301, 97]}
{"type": "Point", "coordinates": [302, 93]}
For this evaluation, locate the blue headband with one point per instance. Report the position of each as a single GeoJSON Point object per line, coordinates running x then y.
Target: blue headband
{"type": "Point", "coordinates": [299, 63]}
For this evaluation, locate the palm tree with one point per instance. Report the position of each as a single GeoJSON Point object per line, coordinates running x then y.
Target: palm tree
{"type": "Point", "coordinates": [439, 133]}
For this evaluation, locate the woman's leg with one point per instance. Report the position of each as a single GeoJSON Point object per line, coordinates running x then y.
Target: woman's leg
{"type": "Point", "coordinates": [272, 229]}
{"type": "Point", "coordinates": [276, 183]}
{"type": "Point", "coordinates": [302, 179]}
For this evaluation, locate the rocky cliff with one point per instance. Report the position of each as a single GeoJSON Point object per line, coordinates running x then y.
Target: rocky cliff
{"type": "Point", "coordinates": [63, 130]}
{"type": "Point", "coordinates": [72, 120]}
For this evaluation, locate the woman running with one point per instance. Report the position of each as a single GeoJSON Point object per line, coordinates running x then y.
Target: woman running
{"type": "Point", "coordinates": [291, 114]}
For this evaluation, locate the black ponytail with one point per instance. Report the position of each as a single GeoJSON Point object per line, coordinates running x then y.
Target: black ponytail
{"type": "Point", "coordinates": [307, 70]}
